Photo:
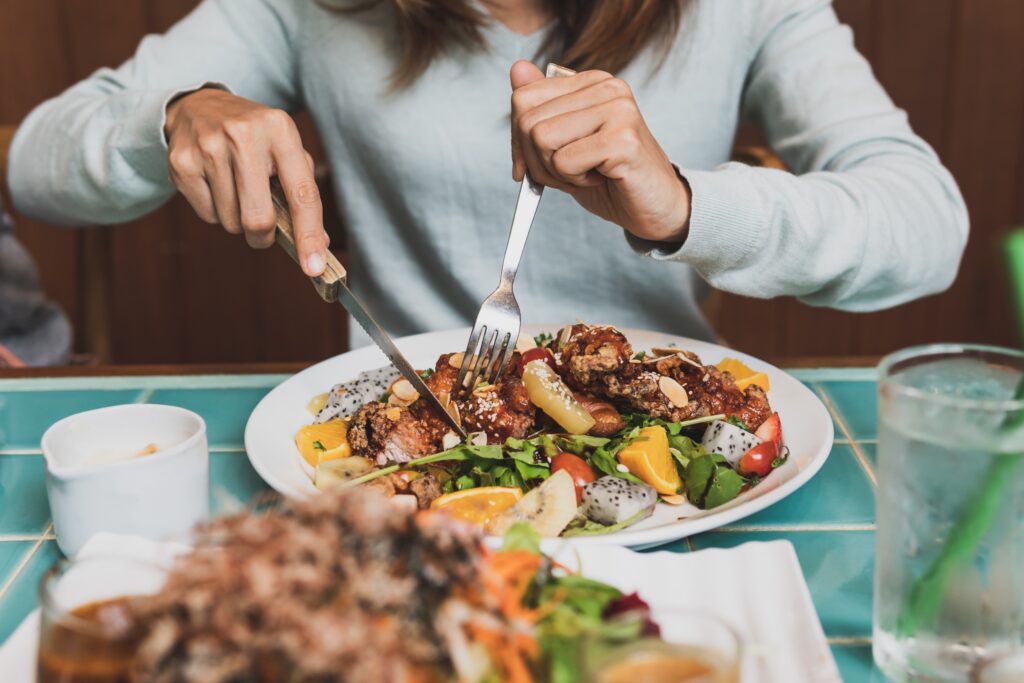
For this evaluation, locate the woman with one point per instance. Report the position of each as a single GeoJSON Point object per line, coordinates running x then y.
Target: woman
{"type": "Point", "coordinates": [412, 104]}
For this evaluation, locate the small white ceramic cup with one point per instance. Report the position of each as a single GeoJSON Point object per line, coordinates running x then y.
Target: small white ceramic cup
{"type": "Point", "coordinates": [96, 483]}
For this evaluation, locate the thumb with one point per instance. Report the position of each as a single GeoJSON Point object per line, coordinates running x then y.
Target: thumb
{"type": "Point", "coordinates": [523, 73]}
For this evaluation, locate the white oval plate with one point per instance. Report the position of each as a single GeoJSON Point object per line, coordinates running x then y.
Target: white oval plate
{"type": "Point", "coordinates": [806, 425]}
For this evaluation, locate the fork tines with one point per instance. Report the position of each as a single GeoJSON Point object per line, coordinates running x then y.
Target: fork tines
{"type": "Point", "coordinates": [487, 357]}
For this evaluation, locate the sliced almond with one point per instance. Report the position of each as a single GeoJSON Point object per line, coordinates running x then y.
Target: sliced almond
{"type": "Point", "coordinates": [481, 390]}
{"type": "Point", "coordinates": [450, 440]}
{"type": "Point", "coordinates": [455, 360]}
{"type": "Point", "coordinates": [478, 438]}
{"type": "Point", "coordinates": [525, 343]}
{"type": "Point", "coordinates": [393, 413]}
{"type": "Point", "coordinates": [451, 406]}
{"type": "Point", "coordinates": [675, 499]}
{"type": "Point", "coordinates": [404, 390]}
{"type": "Point", "coordinates": [564, 336]}
{"type": "Point", "coordinates": [673, 391]}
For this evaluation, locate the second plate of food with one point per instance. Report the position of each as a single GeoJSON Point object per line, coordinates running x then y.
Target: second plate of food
{"type": "Point", "coordinates": [595, 435]}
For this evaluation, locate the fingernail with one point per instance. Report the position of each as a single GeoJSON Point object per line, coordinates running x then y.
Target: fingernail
{"type": "Point", "coordinates": [315, 264]}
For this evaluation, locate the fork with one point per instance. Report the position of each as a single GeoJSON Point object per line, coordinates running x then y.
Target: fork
{"type": "Point", "coordinates": [496, 330]}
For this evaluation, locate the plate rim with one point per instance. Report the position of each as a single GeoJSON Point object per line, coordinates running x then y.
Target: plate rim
{"type": "Point", "coordinates": [637, 539]}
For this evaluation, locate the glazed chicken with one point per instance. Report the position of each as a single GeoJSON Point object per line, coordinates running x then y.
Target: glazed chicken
{"type": "Point", "coordinates": [597, 362]}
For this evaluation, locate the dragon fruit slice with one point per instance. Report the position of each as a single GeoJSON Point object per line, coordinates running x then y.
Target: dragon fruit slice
{"type": "Point", "coordinates": [346, 398]}
{"type": "Point", "coordinates": [729, 440]}
{"type": "Point", "coordinates": [612, 500]}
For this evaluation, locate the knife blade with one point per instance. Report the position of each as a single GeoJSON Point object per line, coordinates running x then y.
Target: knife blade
{"type": "Point", "coordinates": [332, 287]}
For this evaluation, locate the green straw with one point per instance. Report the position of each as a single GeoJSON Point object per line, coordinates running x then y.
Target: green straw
{"type": "Point", "coordinates": [929, 592]}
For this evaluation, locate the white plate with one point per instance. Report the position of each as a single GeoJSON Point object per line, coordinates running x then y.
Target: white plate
{"type": "Point", "coordinates": [806, 426]}
{"type": "Point", "coordinates": [780, 631]}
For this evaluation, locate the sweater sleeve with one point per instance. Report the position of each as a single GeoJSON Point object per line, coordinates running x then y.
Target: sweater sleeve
{"type": "Point", "coordinates": [868, 219]}
{"type": "Point", "coordinates": [97, 154]}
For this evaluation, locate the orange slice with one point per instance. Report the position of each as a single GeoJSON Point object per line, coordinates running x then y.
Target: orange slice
{"type": "Point", "coordinates": [743, 375]}
{"type": "Point", "coordinates": [323, 442]}
{"type": "Point", "coordinates": [648, 458]}
{"type": "Point", "coordinates": [479, 505]}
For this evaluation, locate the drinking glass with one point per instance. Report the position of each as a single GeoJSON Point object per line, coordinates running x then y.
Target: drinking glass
{"type": "Point", "coordinates": [693, 647]}
{"type": "Point", "coordinates": [86, 634]}
{"type": "Point", "coordinates": [949, 583]}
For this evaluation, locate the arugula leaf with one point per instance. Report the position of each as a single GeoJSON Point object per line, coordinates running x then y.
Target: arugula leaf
{"type": "Point", "coordinates": [639, 355]}
{"type": "Point", "coordinates": [724, 487]}
{"type": "Point", "coordinates": [733, 420]}
{"type": "Point", "coordinates": [529, 471]}
{"type": "Point", "coordinates": [699, 474]}
{"type": "Point", "coordinates": [710, 481]}
{"type": "Point", "coordinates": [521, 536]}
{"type": "Point", "coordinates": [427, 374]}
{"type": "Point", "coordinates": [579, 443]}
{"type": "Point", "coordinates": [543, 339]}
{"type": "Point", "coordinates": [689, 448]}
{"type": "Point", "coordinates": [468, 451]}
{"type": "Point", "coordinates": [604, 460]}
{"type": "Point", "coordinates": [583, 526]}
{"type": "Point", "coordinates": [465, 482]}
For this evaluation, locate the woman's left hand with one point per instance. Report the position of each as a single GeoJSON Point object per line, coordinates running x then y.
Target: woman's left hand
{"type": "Point", "coordinates": [584, 134]}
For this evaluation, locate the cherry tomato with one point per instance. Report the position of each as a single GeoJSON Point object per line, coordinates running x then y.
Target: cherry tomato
{"type": "Point", "coordinates": [581, 473]}
{"type": "Point", "coordinates": [538, 353]}
{"type": "Point", "coordinates": [758, 460]}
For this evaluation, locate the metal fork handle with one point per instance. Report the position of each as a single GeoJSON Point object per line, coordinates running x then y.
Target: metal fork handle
{"type": "Point", "coordinates": [522, 220]}
{"type": "Point", "coordinates": [530, 193]}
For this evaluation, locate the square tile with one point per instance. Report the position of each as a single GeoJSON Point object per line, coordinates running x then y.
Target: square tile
{"type": "Point", "coordinates": [233, 483]}
{"type": "Point", "coordinates": [840, 493]}
{"type": "Point", "coordinates": [225, 410]}
{"type": "Point", "coordinates": [838, 566]}
{"type": "Point", "coordinates": [22, 597]}
{"type": "Point", "coordinates": [25, 415]}
{"type": "Point", "coordinates": [857, 404]}
{"type": "Point", "coordinates": [23, 503]}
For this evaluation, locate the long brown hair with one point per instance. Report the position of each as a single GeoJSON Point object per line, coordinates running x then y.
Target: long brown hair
{"type": "Point", "coordinates": [584, 34]}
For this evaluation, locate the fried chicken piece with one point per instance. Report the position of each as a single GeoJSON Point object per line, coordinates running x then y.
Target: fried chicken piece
{"type": "Point", "coordinates": [389, 434]}
{"type": "Point", "coordinates": [591, 356]}
{"type": "Point", "coordinates": [443, 380]}
{"type": "Point", "coordinates": [714, 392]}
{"type": "Point", "coordinates": [501, 410]}
{"type": "Point", "coordinates": [607, 420]}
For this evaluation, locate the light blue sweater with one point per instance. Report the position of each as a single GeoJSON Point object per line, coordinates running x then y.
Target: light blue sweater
{"type": "Point", "coordinates": [869, 218]}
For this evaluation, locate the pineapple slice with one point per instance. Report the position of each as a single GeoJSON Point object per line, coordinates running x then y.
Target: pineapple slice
{"type": "Point", "coordinates": [548, 392]}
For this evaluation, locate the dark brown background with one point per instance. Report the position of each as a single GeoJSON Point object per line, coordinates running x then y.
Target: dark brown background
{"type": "Point", "coordinates": [168, 288]}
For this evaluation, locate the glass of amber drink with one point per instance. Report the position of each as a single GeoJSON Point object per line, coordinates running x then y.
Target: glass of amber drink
{"type": "Point", "coordinates": [87, 633]}
{"type": "Point", "coordinates": [692, 647]}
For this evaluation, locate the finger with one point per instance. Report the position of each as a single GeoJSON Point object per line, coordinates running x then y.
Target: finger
{"type": "Point", "coordinates": [187, 175]}
{"type": "Point", "coordinates": [552, 134]}
{"type": "Point", "coordinates": [538, 170]}
{"type": "Point", "coordinates": [303, 196]}
{"type": "Point", "coordinates": [256, 208]}
{"type": "Point", "coordinates": [608, 152]}
{"type": "Point", "coordinates": [523, 73]}
{"type": "Point", "coordinates": [221, 181]}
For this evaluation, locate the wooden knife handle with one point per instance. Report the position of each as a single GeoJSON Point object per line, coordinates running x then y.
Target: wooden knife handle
{"type": "Point", "coordinates": [334, 274]}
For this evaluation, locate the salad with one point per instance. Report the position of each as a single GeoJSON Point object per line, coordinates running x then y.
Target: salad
{"type": "Point", "coordinates": [350, 587]}
{"type": "Point", "coordinates": [584, 435]}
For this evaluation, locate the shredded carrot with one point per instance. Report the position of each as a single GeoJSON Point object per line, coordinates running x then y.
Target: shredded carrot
{"type": "Point", "coordinates": [509, 656]}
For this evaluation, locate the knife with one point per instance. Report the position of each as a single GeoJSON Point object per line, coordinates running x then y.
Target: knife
{"type": "Point", "coordinates": [332, 287]}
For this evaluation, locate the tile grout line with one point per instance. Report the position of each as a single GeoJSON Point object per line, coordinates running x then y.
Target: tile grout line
{"type": "Point", "coordinates": [849, 640]}
{"type": "Point", "coordinates": [862, 458]}
{"type": "Point", "coordinates": [24, 562]}
{"type": "Point", "coordinates": [21, 538]}
{"type": "Point", "coordinates": [145, 395]}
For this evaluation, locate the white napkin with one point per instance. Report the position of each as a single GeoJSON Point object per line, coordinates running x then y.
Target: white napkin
{"type": "Point", "coordinates": [783, 639]}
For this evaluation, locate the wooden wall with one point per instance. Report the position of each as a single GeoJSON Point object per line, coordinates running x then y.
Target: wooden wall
{"type": "Point", "coordinates": [183, 291]}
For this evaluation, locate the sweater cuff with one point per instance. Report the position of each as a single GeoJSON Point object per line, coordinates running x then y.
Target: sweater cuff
{"type": "Point", "coordinates": [726, 223]}
{"type": "Point", "coordinates": [146, 147]}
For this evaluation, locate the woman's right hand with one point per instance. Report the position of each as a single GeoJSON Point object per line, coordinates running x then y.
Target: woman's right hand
{"type": "Point", "coordinates": [223, 151]}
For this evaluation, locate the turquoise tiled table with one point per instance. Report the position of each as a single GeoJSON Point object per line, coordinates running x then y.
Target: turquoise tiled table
{"type": "Point", "coordinates": [830, 521]}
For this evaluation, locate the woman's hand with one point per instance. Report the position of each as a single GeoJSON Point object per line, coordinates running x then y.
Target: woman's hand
{"type": "Point", "coordinates": [584, 134]}
{"type": "Point", "coordinates": [224, 149]}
